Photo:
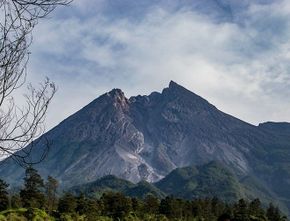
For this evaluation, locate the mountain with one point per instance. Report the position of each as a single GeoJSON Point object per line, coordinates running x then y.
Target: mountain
{"type": "Point", "coordinates": [112, 183]}
{"type": "Point", "coordinates": [282, 128]}
{"type": "Point", "coordinates": [147, 137]}
{"type": "Point", "coordinates": [209, 180]}
{"type": "Point", "coordinates": [215, 180]}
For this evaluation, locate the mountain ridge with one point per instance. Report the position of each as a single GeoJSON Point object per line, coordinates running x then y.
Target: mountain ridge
{"type": "Point", "coordinates": [147, 137]}
{"type": "Point", "coordinates": [206, 181]}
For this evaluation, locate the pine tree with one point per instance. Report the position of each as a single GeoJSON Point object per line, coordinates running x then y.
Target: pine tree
{"type": "Point", "coordinates": [171, 207]}
{"type": "Point", "coordinates": [136, 204]}
{"type": "Point", "coordinates": [273, 213]}
{"type": "Point", "coordinates": [116, 205]}
{"type": "Point", "coordinates": [32, 194]}
{"type": "Point", "coordinates": [16, 201]}
{"type": "Point", "coordinates": [82, 204]}
{"type": "Point", "coordinates": [51, 190]}
{"type": "Point", "coordinates": [151, 204]}
{"type": "Point", "coordinates": [255, 209]}
{"type": "Point", "coordinates": [93, 210]}
{"type": "Point", "coordinates": [4, 200]}
{"type": "Point", "coordinates": [217, 207]}
{"type": "Point", "coordinates": [241, 211]}
{"type": "Point", "coordinates": [67, 203]}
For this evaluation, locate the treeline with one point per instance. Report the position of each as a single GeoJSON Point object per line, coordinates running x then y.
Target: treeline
{"type": "Point", "coordinates": [38, 200]}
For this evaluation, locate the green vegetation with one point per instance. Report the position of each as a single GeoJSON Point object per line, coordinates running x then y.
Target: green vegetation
{"type": "Point", "coordinates": [212, 179]}
{"type": "Point", "coordinates": [112, 183]}
{"type": "Point", "coordinates": [32, 194]}
{"type": "Point", "coordinates": [38, 201]}
{"type": "Point", "coordinates": [4, 201]}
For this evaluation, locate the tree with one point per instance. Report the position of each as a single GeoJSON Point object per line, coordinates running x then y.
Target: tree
{"type": "Point", "coordinates": [116, 205]}
{"type": "Point", "coordinates": [151, 204]}
{"type": "Point", "coordinates": [51, 190]}
{"type": "Point", "coordinates": [273, 213]}
{"type": "Point", "coordinates": [224, 217]}
{"type": "Point", "coordinates": [19, 126]}
{"type": "Point", "coordinates": [4, 200]}
{"type": "Point", "coordinates": [255, 209]}
{"type": "Point", "coordinates": [217, 207]}
{"type": "Point", "coordinates": [15, 201]}
{"type": "Point", "coordinates": [32, 194]}
{"type": "Point", "coordinates": [172, 208]}
{"type": "Point", "coordinates": [88, 207]}
{"type": "Point", "coordinates": [241, 211]}
{"type": "Point", "coordinates": [67, 203]}
{"type": "Point", "coordinates": [93, 210]}
{"type": "Point", "coordinates": [136, 204]}
{"type": "Point", "coordinates": [82, 206]}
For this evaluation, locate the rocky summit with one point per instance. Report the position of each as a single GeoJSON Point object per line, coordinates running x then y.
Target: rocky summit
{"type": "Point", "coordinates": [147, 137]}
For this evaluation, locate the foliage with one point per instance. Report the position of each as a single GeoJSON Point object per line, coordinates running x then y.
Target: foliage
{"type": "Point", "coordinates": [112, 183]}
{"type": "Point", "coordinates": [115, 206]}
{"type": "Point", "coordinates": [16, 201]}
{"type": "Point", "coordinates": [32, 194]}
{"type": "Point", "coordinates": [20, 126]}
{"type": "Point", "coordinates": [4, 201]}
{"type": "Point", "coordinates": [207, 180]}
{"type": "Point", "coordinates": [51, 190]}
{"type": "Point", "coordinates": [23, 214]}
{"type": "Point", "coordinates": [67, 203]}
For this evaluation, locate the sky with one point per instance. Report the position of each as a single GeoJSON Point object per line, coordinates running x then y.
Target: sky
{"type": "Point", "coordinates": [233, 53]}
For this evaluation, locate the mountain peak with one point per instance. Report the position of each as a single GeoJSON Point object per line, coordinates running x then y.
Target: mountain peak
{"type": "Point", "coordinates": [178, 89]}
{"type": "Point", "coordinates": [174, 85]}
{"type": "Point", "coordinates": [116, 92]}
{"type": "Point", "coordinates": [189, 97]}
{"type": "Point", "coordinates": [117, 96]}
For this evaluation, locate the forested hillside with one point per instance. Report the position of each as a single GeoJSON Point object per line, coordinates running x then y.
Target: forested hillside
{"type": "Point", "coordinates": [40, 200]}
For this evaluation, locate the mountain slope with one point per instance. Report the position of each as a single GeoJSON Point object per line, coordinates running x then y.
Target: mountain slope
{"type": "Point", "coordinates": [146, 137]}
{"type": "Point", "coordinates": [141, 138]}
{"type": "Point", "coordinates": [208, 180]}
{"type": "Point", "coordinates": [112, 183]}
{"type": "Point", "coordinates": [215, 180]}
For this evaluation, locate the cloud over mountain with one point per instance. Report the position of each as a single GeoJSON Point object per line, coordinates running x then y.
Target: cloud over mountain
{"type": "Point", "coordinates": [234, 54]}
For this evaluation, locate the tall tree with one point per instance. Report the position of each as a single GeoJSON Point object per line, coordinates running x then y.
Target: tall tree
{"type": "Point", "coordinates": [273, 213]}
{"type": "Point", "coordinates": [241, 212]}
{"type": "Point", "coordinates": [151, 204]}
{"type": "Point", "coordinates": [172, 208]}
{"type": "Point", "coordinates": [32, 194]}
{"type": "Point", "coordinates": [4, 200]}
{"type": "Point", "coordinates": [67, 203]}
{"type": "Point", "coordinates": [51, 186]}
{"type": "Point", "coordinates": [15, 201]}
{"type": "Point", "coordinates": [116, 205]}
{"type": "Point", "coordinates": [82, 205]}
{"type": "Point", "coordinates": [255, 209]}
{"type": "Point", "coordinates": [88, 207]}
{"type": "Point", "coordinates": [20, 126]}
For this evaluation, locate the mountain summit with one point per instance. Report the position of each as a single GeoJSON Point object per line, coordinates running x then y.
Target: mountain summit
{"type": "Point", "coordinates": [147, 137]}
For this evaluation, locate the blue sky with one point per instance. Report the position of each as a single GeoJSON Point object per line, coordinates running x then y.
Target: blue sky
{"type": "Point", "coordinates": [233, 53]}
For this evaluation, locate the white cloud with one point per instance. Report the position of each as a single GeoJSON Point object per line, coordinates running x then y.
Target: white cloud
{"type": "Point", "coordinates": [242, 68]}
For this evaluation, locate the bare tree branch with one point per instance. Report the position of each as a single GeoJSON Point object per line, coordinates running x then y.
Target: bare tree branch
{"type": "Point", "coordinates": [20, 126]}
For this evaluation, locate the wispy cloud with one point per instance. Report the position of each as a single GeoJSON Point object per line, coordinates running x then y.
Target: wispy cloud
{"type": "Point", "coordinates": [240, 65]}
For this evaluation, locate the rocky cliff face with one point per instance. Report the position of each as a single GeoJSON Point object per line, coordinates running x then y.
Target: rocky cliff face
{"type": "Point", "coordinates": [181, 129]}
{"type": "Point", "coordinates": [146, 137]}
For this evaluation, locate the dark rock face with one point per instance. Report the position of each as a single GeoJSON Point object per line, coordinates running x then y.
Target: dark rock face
{"type": "Point", "coordinates": [278, 128]}
{"type": "Point", "coordinates": [146, 137]}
